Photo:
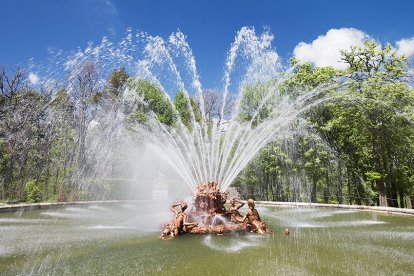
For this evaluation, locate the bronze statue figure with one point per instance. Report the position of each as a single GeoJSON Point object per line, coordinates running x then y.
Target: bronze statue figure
{"type": "Point", "coordinates": [254, 220]}
{"type": "Point", "coordinates": [179, 224]}
{"type": "Point", "coordinates": [234, 209]}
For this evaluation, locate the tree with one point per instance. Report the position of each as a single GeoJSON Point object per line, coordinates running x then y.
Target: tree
{"type": "Point", "coordinates": [21, 126]}
{"type": "Point", "coordinates": [153, 102]}
{"type": "Point", "coordinates": [381, 94]}
{"type": "Point", "coordinates": [213, 105]}
{"type": "Point", "coordinates": [63, 134]}
{"type": "Point", "coordinates": [84, 88]}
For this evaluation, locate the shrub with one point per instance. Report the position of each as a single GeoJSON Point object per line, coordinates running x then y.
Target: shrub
{"type": "Point", "coordinates": [33, 192]}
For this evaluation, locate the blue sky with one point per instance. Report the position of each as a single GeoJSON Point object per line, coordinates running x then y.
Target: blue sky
{"type": "Point", "coordinates": [29, 28]}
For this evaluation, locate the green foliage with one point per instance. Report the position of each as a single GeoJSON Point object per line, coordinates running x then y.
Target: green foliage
{"type": "Point", "coordinates": [256, 102]}
{"type": "Point", "coordinates": [116, 81]}
{"type": "Point", "coordinates": [33, 192]}
{"type": "Point", "coordinates": [307, 77]}
{"type": "Point", "coordinates": [139, 117]}
{"type": "Point", "coordinates": [374, 60]}
{"type": "Point", "coordinates": [96, 98]}
{"type": "Point", "coordinates": [3, 156]}
{"type": "Point", "coordinates": [187, 108]}
{"type": "Point", "coordinates": [373, 176]}
{"type": "Point", "coordinates": [154, 102]}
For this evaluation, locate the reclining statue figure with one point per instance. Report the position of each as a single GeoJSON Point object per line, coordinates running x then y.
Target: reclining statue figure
{"type": "Point", "coordinates": [179, 224]}
{"type": "Point", "coordinates": [253, 219]}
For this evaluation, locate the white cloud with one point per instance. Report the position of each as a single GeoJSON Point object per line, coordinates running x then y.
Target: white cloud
{"type": "Point", "coordinates": [405, 46]}
{"type": "Point", "coordinates": [325, 50]}
{"type": "Point", "coordinates": [33, 78]}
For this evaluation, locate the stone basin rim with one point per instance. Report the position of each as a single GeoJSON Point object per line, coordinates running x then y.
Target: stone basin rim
{"type": "Point", "coordinates": [55, 205]}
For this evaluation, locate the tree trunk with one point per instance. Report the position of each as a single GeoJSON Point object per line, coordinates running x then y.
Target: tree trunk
{"type": "Point", "coordinates": [382, 193]}
{"type": "Point", "coordinates": [8, 177]}
{"type": "Point", "coordinates": [378, 168]}
{"type": "Point", "coordinates": [267, 186]}
{"type": "Point", "coordinates": [339, 195]}
{"type": "Point", "coordinates": [313, 189]}
{"type": "Point", "coordinates": [326, 189]}
{"type": "Point", "coordinates": [22, 179]}
{"type": "Point", "coordinates": [349, 186]}
{"type": "Point", "coordinates": [56, 181]}
{"type": "Point", "coordinates": [402, 200]}
{"type": "Point", "coordinates": [392, 199]}
{"type": "Point", "coordinates": [273, 189]}
{"type": "Point", "coordinates": [250, 192]}
{"type": "Point", "coordinates": [357, 183]}
{"type": "Point", "coordinates": [47, 175]}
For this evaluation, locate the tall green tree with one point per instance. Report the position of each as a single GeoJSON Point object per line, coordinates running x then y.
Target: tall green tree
{"type": "Point", "coordinates": [379, 92]}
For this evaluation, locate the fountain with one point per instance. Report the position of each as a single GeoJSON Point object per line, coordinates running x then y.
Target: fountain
{"type": "Point", "coordinates": [163, 106]}
{"type": "Point", "coordinates": [202, 150]}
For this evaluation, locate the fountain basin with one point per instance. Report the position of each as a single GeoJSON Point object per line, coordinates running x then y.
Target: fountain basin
{"type": "Point", "coordinates": [122, 239]}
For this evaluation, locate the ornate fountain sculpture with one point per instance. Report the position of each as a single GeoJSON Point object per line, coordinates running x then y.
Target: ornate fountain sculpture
{"type": "Point", "coordinates": [209, 215]}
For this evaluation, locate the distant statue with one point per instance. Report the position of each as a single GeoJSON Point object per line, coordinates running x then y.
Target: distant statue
{"type": "Point", "coordinates": [253, 218]}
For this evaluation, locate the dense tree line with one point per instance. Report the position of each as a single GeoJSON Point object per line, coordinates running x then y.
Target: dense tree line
{"type": "Point", "coordinates": [358, 145]}
{"type": "Point", "coordinates": [43, 132]}
{"type": "Point", "coordinates": [355, 147]}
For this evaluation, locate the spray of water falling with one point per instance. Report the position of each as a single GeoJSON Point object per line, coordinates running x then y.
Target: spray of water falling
{"type": "Point", "coordinates": [251, 111]}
